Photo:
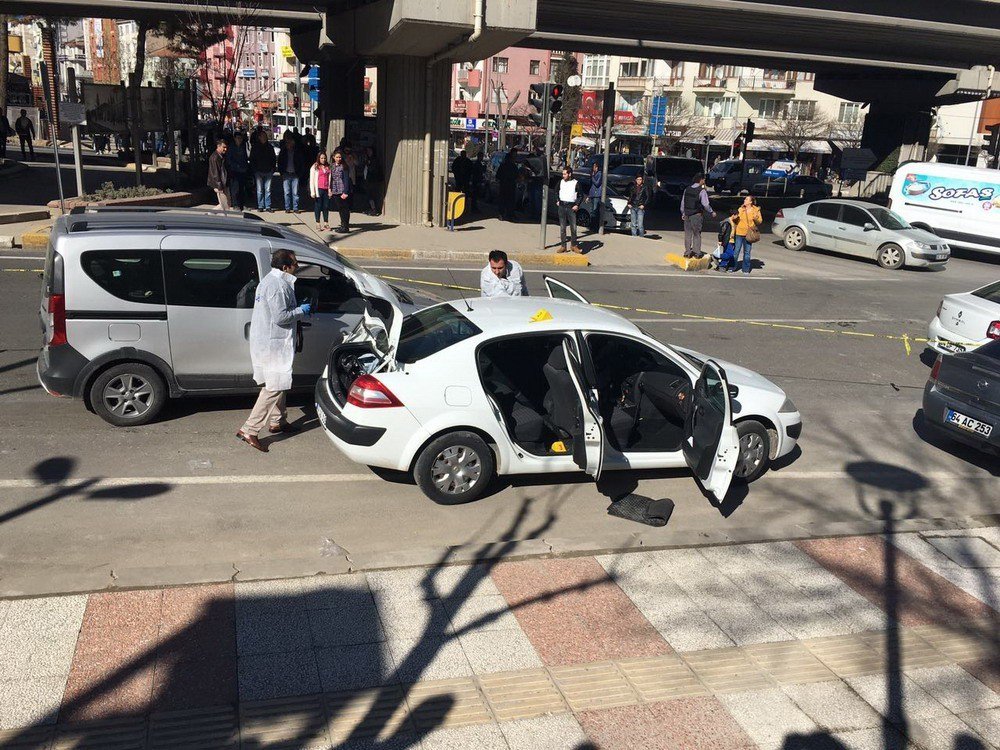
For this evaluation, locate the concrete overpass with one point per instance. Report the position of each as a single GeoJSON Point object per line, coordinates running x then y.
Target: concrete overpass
{"type": "Point", "coordinates": [895, 54]}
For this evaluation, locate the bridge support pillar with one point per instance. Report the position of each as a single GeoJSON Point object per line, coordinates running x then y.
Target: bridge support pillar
{"type": "Point", "coordinates": [888, 127]}
{"type": "Point", "coordinates": [341, 97]}
{"type": "Point", "coordinates": [414, 105]}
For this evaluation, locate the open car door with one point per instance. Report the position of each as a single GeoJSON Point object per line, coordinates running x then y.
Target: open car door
{"type": "Point", "coordinates": [559, 290]}
{"type": "Point", "coordinates": [588, 441]}
{"type": "Point", "coordinates": [711, 445]}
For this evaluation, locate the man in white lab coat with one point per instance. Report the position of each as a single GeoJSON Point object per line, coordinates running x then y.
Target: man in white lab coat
{"type": "Point", "coordinates": [272, 347]}
{"type": "Point", "coordinates": [502, 277]}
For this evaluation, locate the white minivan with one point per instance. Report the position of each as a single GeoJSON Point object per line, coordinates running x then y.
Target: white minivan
{"type": "Point", "coordinates": [960, 204]}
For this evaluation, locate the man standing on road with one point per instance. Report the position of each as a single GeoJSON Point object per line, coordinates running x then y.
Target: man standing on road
{"type": "Point", "coordinates": [290, 166]}
{"type": "Point", "coordinates": [25, 130]}
{"type": "Point", "coordinates": [272, 347]}
{"type": "Point", "coordinates": [262, 162]}
{"type": "Point", "coordinates": [4, 132]}
{"type": "Point", "coordinates": [569, 204]}
{"type": "Point", "coordinates": [476, 183]}
{"type": "Point", "coordinates": [694, 206]}
{"type": "Point", "coordinates": [594, 194]}
{"type": "Point", "coordinates": [218, 175]}
{"type": "Point", "coordinates": [462, 169]}
{"type": "Point", "coordinates": [638, 198]}
{"type": "Point", "coordinates": [507, 185]}
{"type": "Point", "coordinates": [502, 277]}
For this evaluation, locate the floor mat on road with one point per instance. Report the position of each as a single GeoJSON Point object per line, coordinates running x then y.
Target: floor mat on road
{"type": "Point", "coordinates": [645, 510]}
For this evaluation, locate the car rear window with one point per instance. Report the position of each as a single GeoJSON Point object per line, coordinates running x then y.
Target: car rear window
{"type": "Point", "coordinates": [432, 330]}
{"type": "Point", "coordinates": [132, 275]}
{"type": "Point", "coordinates": [990, 292]}
{"type": "Point", "coordinates": [677, 167]}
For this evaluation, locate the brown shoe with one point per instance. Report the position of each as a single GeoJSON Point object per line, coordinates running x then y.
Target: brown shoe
{"type": "Point", "coordinates": [251, 440]}
{"type": "Point", "coordinates": [287, 428]}
{"type": "Point", "coordinates": [562, 250]}
{"type": "Point", "coordinates": [576, 249]}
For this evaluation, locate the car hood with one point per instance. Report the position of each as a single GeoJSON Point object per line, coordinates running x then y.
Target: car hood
{"type": "Point", "coordinates": [738, 375]}
{"type": "Point", "coordinates": [919, 235]}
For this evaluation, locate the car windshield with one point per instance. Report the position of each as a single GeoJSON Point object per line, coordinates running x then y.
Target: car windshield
{"type": "Point", "coordinates": [431, 330]}
{"type": "Point", "coordinates": [677, 167]}
{"type": "Point", "coordinates": [888, 219]}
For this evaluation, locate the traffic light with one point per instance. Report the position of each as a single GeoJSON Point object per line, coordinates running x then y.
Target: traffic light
{"type": "Point", "coordinates": [538, 99]}
{"type": "Point", "coordinates": [737, 145]}
{"type": "Point", "coordinates": [295, 102]}
{"type": "Point", "coordinates": [992, 142]}
{"type": "Point", "coordinates": [555, 99]}
{"type": "Point", "coordinates": [748, 132]}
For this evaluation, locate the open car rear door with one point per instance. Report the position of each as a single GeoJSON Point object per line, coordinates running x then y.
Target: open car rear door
{"type": "Point", "coordinates": [588, 442]}
{"type": "Point", "coordinates": [559, 290]}
{"type": "Point", "coordinates": [711, 445]}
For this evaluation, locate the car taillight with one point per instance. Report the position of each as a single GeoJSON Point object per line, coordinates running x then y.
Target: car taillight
{"type": "Point", "coordinates": [57, 319]}
{"type": "Point", "coordinates": [780, 214]}
{"type": "Point", "coordinates": [368, 392]}
{"type": "Point", "coordinates": [993, 331]}
{"type": "Point", "coordinates": [936, 369]}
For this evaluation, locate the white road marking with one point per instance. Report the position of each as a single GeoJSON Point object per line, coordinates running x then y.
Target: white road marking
{"type": "Point", "coordinates": [827, 321]}
{"type": "Point", "coordinates": [936, 476]}
{"type": "Point", "coordinates": [556, 271]}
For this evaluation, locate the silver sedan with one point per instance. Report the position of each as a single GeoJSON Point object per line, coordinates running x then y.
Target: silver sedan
{"type": "Point", "coordinates": [862, 229]}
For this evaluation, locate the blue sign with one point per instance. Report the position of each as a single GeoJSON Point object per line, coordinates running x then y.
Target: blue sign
{"type": "Point", "coordinates": [658, 115]}
{"type": "Point", "coordinates": [470, 123]}
{"type": "Point", "coordinates": [314, 83]}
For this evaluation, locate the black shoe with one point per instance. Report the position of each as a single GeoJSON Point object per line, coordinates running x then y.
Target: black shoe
{"type": "Point", "coordinates": [343, 230]}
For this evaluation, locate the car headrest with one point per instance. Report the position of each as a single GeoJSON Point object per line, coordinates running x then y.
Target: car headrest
{"type": "Point", "coordinates": [557, 360]}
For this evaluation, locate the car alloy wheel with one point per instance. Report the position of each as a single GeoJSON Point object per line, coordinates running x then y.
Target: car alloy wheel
{"type": "Point", "coordinates": [794, 239]}
{"type": "Point", "coordinates": [751, 454]}
{"type": "Point", "coordinates": [890, 256]}
{"type": "Point", "coordinates": [128, 396]}
{"type": "Point", "coordinates": [456, 469]}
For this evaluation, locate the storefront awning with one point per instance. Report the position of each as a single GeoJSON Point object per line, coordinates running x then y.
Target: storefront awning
{"type": "Point", "coordinates": [583, 141]}
{"type": "Point", "coordinates": [809, 147]}
{"type": "Point", "coordinates": [719, 136]}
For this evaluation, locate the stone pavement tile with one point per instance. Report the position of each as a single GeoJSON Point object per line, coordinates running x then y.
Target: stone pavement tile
{"type": "Point", "coordinates": [954, 688]}
{"type": "Point", "coordinates": [916, 701]}
{"type": "Point", "coordinates": [554, 732]}
{"type": "Point", "coordinates": [573, 613]}
{"type": "Point", "coordinates": [499, 651]}
{"type": "Point", "coordinates": [739, 560]}
{"type": "Point", "coordinates": [188, 604]}
{"type": "Point", "coordinates": [923, 596]}
{"type": "Point", "coordinates": [783, 556]}
{"type": "Point", "coordinates": [481, 737]}
{"type": "Point", "coordinates": [624, 728]}
{"type": "Point", "coordinates": [273, 632]}
{"type": "Point", "coordinates": [987, 671]}
{"type": "Point", "coordinates": [464, 581]}
{"type": "Point", "coordinates": [38, 637]}
{"type": "Point", "coordinates": [968, 561]}
{"type": "Point", "coordinates": [946, 732]}
{"type": "Point", "coordinates": [699, 724]}
{"type": "Point", "coordinates": [202, 638]}
{"type": "Point", "coordinates": [408, 617]}
{"type": "Point", "coordinates": [405, 582]}
{"type": "Point", "coordinates": [345, 627]}
{"type": "Point", "coordinates": [107, 691]}
{"type": "Point", "coordinates": [277, 675]}
{"type": "Point", "coordinates": [708, 587]}
{"type": "Point", "coordinates": [403, 741]}
{"type": "Point", "coordinates": [25, 703]}
{"type": "Point", "coordinates": [480, 614]}
{"type": "Point", "coordinates": [194, 683]}
{"type": "Point", "coordinates": [687, 631]}
{"type": "Point", "coordinates": [801, 616]}
{"type": "Point", "coordinates": [254, 598]}
{"type": "Point", "coordinates": [437, 658]}
{"type": "Point", "coordinates": [748, 623]}
{"type": "Point", "coordinates": [985, 723]}
{"type": "Point", "coordinates": [847, 606]}
{"type": "Point", "coordinates": [359, 666]}
{"type": "Point", "coordinates": [767, 716]}
{"type": "Point", "coordinates": [833, 706]}
{"type": "Point", "coordinates": [334, 592]}
{"type": "Point", "coordinates": [870, 739]}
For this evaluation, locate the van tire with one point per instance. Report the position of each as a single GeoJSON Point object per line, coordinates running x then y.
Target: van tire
{"type": "Point", "coordinates": [890, 256]}
{"type": "Point", "coordinates": [460, 450]}
{"type": "Point", "coordinates": [142, 390]}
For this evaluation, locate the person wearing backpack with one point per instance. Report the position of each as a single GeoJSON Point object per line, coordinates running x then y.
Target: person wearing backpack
{"type": "Point", "coordinates": [747, 230]}
{"type": "Point", "coordinates": [727, 237]}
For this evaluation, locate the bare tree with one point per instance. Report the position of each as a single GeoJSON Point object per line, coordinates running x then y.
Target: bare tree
{"type": "Point", "coordinates": [848, 134]}
{"type": "Point", "coordinates": [676, 121]}
{"type": "Point", "coordinates": [794, 130]}
{"type": "Point", "coordinates": [566, 67]}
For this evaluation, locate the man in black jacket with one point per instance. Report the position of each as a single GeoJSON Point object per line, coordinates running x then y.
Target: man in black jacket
{"type": "Point", "coordinates": [639, 196]}
{"type": "Point", "coordinates": [262, 163]}
{"type": "Point", "coordinates": [291, 165]}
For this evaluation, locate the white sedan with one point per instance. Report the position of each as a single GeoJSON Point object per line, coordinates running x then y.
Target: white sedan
{"type": "Point", "coordinates": [466, 390]}
{"type": "Point", "coordinates": [966, 321]}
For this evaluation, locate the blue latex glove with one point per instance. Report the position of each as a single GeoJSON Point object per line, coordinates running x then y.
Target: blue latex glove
{"type": "Point", "coordinates": [306, 308]}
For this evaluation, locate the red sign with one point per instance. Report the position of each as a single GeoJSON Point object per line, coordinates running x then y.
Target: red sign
{"type": "Point", "coordinates": [624, 117]}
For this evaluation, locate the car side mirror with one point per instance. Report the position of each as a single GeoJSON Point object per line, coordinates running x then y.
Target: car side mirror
{"type": "Point", "coordinates": [734, 390]}
{"type": "Point", "coordinates": [869, 227]}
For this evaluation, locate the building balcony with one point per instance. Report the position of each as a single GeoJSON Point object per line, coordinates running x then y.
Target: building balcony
{"type": "Point", "coordinates": [710, 83]}
{"type": "Point", "coordinates": [768, 85]}
{"type": "Point", "coordinates": [470, 79]}
{"type": "Point", "coordinates": [633, 83]}
{"type": "Point", "coordinates": [674, 83]}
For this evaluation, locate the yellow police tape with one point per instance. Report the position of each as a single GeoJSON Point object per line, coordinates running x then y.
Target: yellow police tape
{"type": "Point", "coordinates": [906, 339]}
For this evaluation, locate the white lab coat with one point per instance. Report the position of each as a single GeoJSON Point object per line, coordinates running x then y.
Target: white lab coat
{"type": "Point", "coordinates": [272, 331]}
{"type": "Point", "coordinates": [490, 285]}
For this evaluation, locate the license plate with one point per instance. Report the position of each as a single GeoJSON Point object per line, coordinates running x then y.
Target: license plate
{"type": "Point", "coordinates": [941, 257]}
{"type": "Point", "coordinates": [968, 423]}
{"type": "Point", "coordinates": [950, 347]}
{"type": "Point", "coordinates": [321, 415]}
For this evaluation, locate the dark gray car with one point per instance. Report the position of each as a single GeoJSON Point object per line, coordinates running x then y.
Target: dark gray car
{"type": "Point", "coordinates": [962, 397]}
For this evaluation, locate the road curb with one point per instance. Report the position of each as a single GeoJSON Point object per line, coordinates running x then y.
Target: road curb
{"type": "Point", "coordinates": [38, 581]}
{"type": "Point", "coordinates": [460, 256]}
{"type": "Point", "coordinates": [17, 217]}
{"type": "Point", "coordinates": [36, 239]}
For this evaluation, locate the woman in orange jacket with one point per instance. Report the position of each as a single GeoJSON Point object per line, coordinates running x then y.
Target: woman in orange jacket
{"type": "Point", "coordinates": [749, 223]}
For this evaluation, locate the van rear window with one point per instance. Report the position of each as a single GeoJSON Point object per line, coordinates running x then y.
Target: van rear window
{"type": "Point", "coordinates": [432, 330]}
{"type": "Point", "coordinates": [131, 275]}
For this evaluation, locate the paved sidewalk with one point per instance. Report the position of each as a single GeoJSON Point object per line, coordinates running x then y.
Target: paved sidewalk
{"type": "Point", "coordinates": [852, 642]}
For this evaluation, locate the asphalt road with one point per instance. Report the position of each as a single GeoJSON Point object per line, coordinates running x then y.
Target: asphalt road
{"type": "Point", "coordinates": [83, 504]}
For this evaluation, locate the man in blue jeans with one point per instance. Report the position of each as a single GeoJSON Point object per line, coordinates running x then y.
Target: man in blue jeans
{"type": "Point", "coordinates": [639, 196]}
{"type": "Point", "coordinates": [291, 164]}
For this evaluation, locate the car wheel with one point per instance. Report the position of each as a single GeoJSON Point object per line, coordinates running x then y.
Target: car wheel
{"type": "Point", "coordinates": [794, 239]}
{"type": "Point", "coordinates": [755, 451]}
{"type": "Point", "coordinates": [890, 256]}
{"type": "Point", "coordinates": [583, 218]}
{"type": "Point", "coordinates": [128, 394]}
{"type": "Point", "coordinates": [455, 468]}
